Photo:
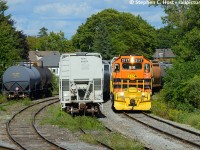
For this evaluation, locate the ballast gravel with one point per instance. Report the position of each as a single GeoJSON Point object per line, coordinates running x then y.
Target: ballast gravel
{"type": "Point", "coordinates": [114, 121]}
{"type": "Point", "coordinates": [134, 130]}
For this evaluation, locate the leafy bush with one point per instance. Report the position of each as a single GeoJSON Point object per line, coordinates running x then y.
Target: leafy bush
{"type": "Point", "coordinates": [55, 84]}
{"type": "Point", "coordinates": [165, 110]}
{"type": "Point", "coordinates": [182, 86]}
{"type": "Point", "coordinates": [191, 91]}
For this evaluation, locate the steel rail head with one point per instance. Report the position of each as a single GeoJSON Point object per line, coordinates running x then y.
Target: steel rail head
{"type": "Point", "coordinates": [108, 147]}
{"type": "Point", "coordinates": [178, 127]}
{"type": "Point", "coordinates": [9, 121]}
{"type": "Point", "coordinates": [5, 147]}
{"type": "Point", "coordinates": [163, 132]}
{"type": "Point", "coordinates": [36, 130]}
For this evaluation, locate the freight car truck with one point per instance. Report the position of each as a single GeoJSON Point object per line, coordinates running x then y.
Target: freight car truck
{"type": "Point", "coordinates": [81, 82]}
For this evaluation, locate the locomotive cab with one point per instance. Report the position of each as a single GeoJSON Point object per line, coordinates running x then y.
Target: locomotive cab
{"type": "Point", "coordinates": [131, 83]}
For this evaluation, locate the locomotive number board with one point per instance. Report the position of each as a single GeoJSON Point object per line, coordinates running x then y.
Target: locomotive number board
{"type": "Point", "coordinates": [127, 60]}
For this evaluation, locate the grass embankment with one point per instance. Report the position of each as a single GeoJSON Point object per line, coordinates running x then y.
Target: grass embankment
{"type": "Point", "coordinates": [18, 102]}
{"type": "Point", "coordinates": [160, 108]}
{"type": "Point", "coordinates": [95, 129]}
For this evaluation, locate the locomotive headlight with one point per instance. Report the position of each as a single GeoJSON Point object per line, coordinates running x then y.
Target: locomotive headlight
{"type": "Point", "coordinates": [143, 94]}
{"type": "Point", "coordinates": [122, 94]}
{"type": "Point", "coordinates": [132, 60]}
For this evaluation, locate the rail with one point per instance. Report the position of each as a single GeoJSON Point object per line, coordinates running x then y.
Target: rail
{"type": "Point", "coordinates": [8, 128]}
{"type": "Point", "coordinates": [164, 132]}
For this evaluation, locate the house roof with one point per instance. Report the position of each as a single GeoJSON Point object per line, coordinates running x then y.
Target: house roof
{"type": "Point", "coordinates": [37, 55]}
{"type": "Point", "coordinates": [51, 60]}
{"type": "Point", "coordinates": [163, 53]}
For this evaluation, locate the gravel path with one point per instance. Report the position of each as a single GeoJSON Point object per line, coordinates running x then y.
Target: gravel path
{"type": "Point", "coordinates": [132, 129]}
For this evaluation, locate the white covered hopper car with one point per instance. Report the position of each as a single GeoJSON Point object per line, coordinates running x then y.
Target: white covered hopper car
{"type": "Point", "coordinates": [81, 82]}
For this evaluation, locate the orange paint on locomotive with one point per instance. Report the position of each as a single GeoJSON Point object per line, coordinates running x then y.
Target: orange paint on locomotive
{"type": "Point", "coordinates": [131, 83]}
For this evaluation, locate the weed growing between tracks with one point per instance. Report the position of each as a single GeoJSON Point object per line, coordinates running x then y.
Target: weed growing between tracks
{"type": "Point", "coordinates": [94, 128]}
{"type": "Point", "coordinates": [160, 108]}
{"type": "Point", "coordinates": [13, 102]}
{"type": "Point", "coordinates": [118, 141]}
{"type": "Point", "coordinates": [64, 120]}
{"type": "Point", "coordinates": [2, 99]}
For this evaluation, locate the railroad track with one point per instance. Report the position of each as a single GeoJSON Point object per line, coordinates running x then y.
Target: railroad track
{"type": "Point", "coordinates": [5, 148]}
{"type": "Point", "coordinates": [22, 130]}
{"type": "Point", "coordinates": [184, 135]}
{"type": "Point", "coordinates": [99, 142]}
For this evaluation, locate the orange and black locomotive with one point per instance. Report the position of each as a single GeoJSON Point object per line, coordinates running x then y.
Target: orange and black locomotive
{"type": "Point", "coordinates": [131, 82]}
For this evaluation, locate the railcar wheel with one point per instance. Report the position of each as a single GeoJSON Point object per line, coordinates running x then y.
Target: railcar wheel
{"type": "Point", "coordinates": [84, 111]}
{"type": "Point", "coordinates": [72, 111]}
{"type": "Point", "coordinates": [92, 110]}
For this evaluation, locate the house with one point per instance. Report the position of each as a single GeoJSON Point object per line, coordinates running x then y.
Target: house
{"type": "Point", "coordinates": [164, 55]}
{"type": "Point", "coordinates": [50, 59]}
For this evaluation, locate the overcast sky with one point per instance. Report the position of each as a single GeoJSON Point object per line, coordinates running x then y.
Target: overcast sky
{"type": "Point", "coordinates": [67, 15]}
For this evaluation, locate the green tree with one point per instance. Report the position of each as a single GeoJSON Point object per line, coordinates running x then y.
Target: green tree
{"type": "Point", "coordinates": [43, 32]}
{"type": "Point", "coordinates": [164, 37]}
{"type": "Point", "coordinates": [102, 43]}
{"type": "Point", "coordinates": [33, 43]}
{"type": "Point", "coordinates": [181, 88]}
{"type": "Point", "coordinates": [13, 45]}
{"type": "Point", "coordinates": [182, 84]}
{"type": "Point", "coordinates": [112, 33]}
{"type": "Point", "coordinates": [188, 48]}
{"type": "Point", "coordinates": [52, 41]}
{"type": "Point", "coordinates": [184, 22]}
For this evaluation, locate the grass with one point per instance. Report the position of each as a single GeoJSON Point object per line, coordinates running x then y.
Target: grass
{"type": "Point", "coordinates": [118, 142]}
{"type": "Point", "coordinates": [95, 129]}
{"type": "Point", "coordinates": [7, 103]}
{"type": "Point", "coordinates": [115, 140]}
{"type": "Point", "coordinates": [160, 108]}
{"type": "Point", "coordinates": [2, 99]}
{"type": "Point", "coordinates": [64, 120]}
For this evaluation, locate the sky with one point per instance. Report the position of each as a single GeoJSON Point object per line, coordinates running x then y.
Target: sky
{"type": "Point", "coordinates": [67, 15]}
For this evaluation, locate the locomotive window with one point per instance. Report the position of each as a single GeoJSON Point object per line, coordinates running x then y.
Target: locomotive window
{"type": "Point", "coordinates": [116, 68]}
{"type": "Point", "coordinates": [146, 68]}
{"type": "Point", "coordinates": [128, 66]}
